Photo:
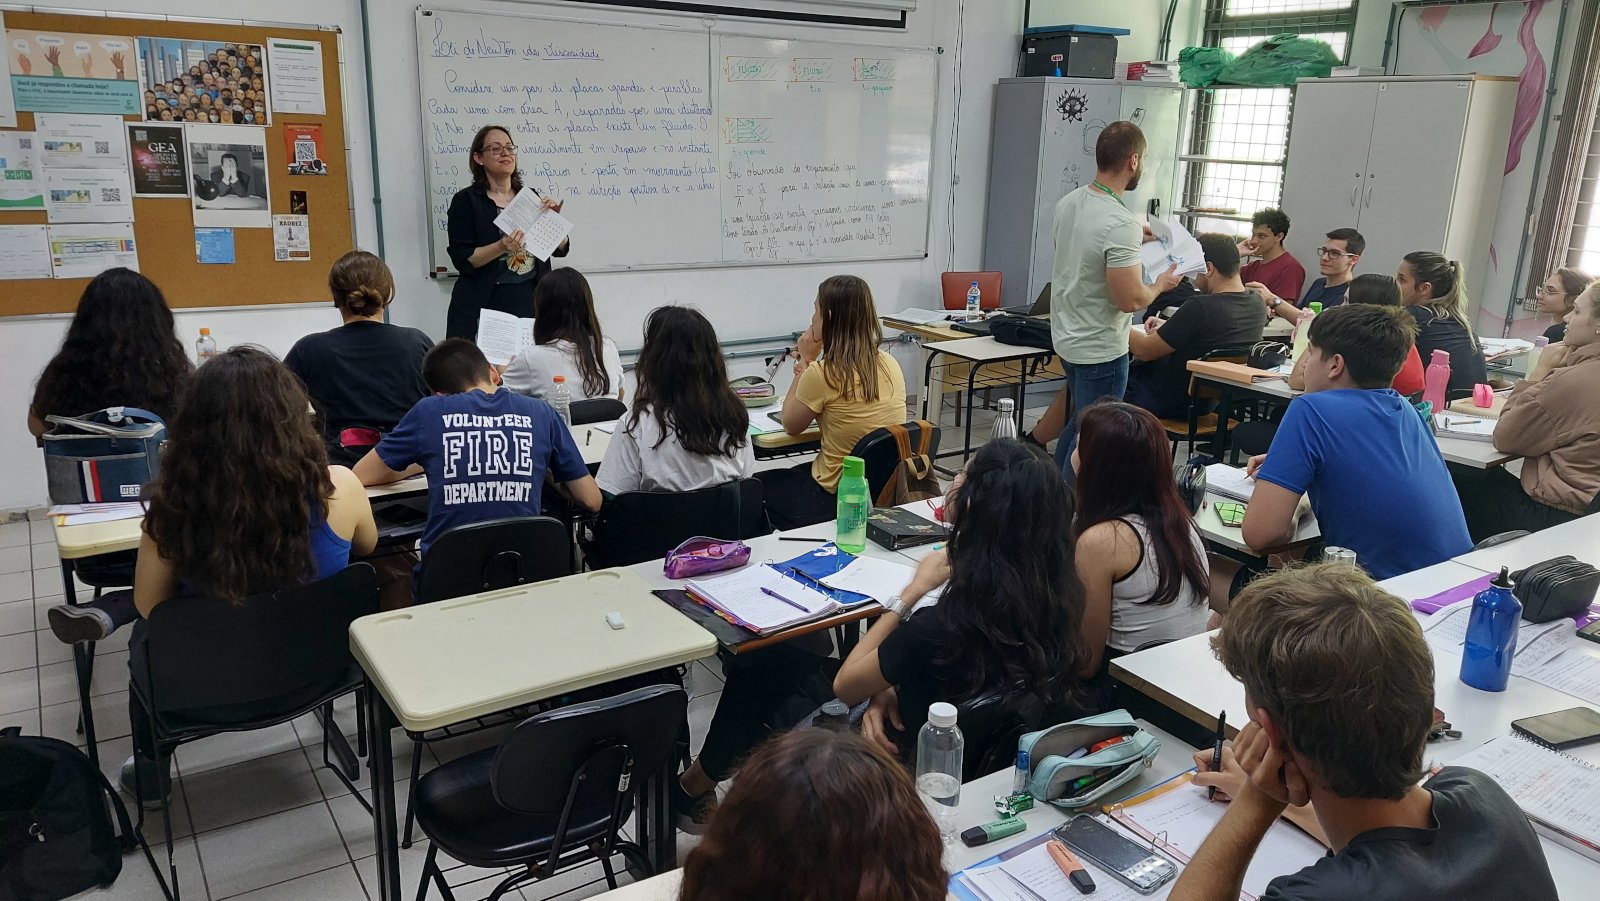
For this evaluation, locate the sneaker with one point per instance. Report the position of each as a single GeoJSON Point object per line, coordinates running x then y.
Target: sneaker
{"type": "Point", "coordinates": [153, 787]}
{"type": "Point", "coordinates": [73, 624]}
{"type": "Point", "coordinates": [692, 815]}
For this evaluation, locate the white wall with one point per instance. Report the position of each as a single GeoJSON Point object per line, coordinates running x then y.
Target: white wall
{"type": "Point", "coordinates": [744, 302]}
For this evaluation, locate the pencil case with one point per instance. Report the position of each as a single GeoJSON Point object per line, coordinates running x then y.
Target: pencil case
{"type": "Point", "coordinates": [702, 556]}
{"type": "Point", "coordinates": [1055, 774]}
{"type": "Point", "coordinates": [1552, 589]}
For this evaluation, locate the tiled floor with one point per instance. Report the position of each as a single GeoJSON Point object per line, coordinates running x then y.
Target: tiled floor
{"type": "Point", "coordinates": [255, 815]}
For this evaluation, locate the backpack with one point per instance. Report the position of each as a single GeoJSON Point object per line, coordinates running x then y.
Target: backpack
{"type": "Point", "coordinates": [913, 478]}
{"type": "Point", "coordinates": [106, 456]}
{"type": "Point", "coordinates": [1020, 331]}
{"type": "Point", "coordinates": [57, 832]}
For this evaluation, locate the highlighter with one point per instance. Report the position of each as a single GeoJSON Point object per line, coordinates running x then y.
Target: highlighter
{"type": "Point", "coordinates": [990, 832]}
{"type": "Point", "coordinates": [1076, 874]}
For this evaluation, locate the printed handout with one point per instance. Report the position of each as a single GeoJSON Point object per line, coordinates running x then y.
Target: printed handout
{"type": "Point", "coordinates": [228, 175]}
{"type": "Point", "coordinates": [21, 185]}
{"type": "Point", "coordinates": [297, 84]}
{"type": "Point", "coordinates": [72, 141]}
{"type": "Point", "coordinates": [85, 251]}
{"type": "Point", "coordinates": [8, 104]}
{"type": "Point", "coordinates": [87, 195]}
{"type": "Point", "coordinates": [215, 82]}
{"type": "Point", "coordinates": [291, 238]}
{"type": "Point", "coordinates": [158, 160]}
{"type": "Point", "coordinates": [501, 336]}
{"type": "Point", "coordinates": [24, 253]}
{"type": "Point", "coordinates": [68, 72]}
{"type": "Point", "coordinates": [213, 245]}
{"type": "Point", "coordinates": [302, 145]}
{"type": "Point", "coordinates": [543, 229]}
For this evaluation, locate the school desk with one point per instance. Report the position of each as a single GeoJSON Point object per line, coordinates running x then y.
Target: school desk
{"type": "Point", "coordinates": [1580, 538]}
{"type": "Point", "coordinates": [1008, 365]}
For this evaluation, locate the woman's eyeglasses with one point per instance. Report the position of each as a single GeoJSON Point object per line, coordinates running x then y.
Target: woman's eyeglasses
{"type": "Point", "coordinates": [497, 149]}
{"type": "Point", "coordinates": [1542, 291]}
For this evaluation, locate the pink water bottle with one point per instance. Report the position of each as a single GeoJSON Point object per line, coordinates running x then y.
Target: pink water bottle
{"type": "Point", "coordinates": [1436, 379]}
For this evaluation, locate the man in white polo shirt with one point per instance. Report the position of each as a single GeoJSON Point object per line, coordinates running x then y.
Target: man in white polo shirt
{"type": "Point", "coordinates": [1097, 281]}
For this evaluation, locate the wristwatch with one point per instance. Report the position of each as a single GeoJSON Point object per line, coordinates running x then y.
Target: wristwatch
{"type": "Point", "coordinates": [898, 606]}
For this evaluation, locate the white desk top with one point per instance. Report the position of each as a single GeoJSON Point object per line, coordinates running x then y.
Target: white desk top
{"type": "Point", "coordinates": [1580, 538]}
{"type": "Point", "coordinates": [977, 806]}
{"type": "Point", "coordinates": [1476, 454]}
{"type": "Point", "coordinates": [1232, 537]}
{"type": "Point", "coordinates": [592, 442]}
{"type": "Point", "coordinates": [443, 663]}
{"type": "Point", "coordinates": [984, 349]}
{"type": "Point", "coordinates": [1187, 677]}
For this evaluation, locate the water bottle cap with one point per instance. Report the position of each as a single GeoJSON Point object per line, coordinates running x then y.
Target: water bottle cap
{"type": "Point", "coordinates": [205, 331]}
{"type": "Point", "coordinates": [855, 466]}
{"type": "Point", "coordinates": [835, 708]}
{"type": "Point", "coordinates": [1504, 579]}
{"type": "Point", "coordinates": [1007, 405]}
{"type": "Point", "coordinates": [561, 380]}
{"type": "Point", "coordinates": [1541, 341]}
{"type": "Point", "coordinates": [974, 284]}
{"type": "Point", "coordinates": [942, 714]}
{"type": "Point", "coordinates": [1316, 306]}
{"type": "Point", "coordinates": [1441, 356]}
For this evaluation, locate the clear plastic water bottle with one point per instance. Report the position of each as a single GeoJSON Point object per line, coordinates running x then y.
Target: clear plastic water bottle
{"type": "Point", "coordinates": [855, 503]}
{"type": "Point", "coordinates": [1491, 636]}
{"type": "Point", "coordinates": [939, 749]}
{"type": "Point", "coordinates": [1005, 421]}
{"type": "Point", "coordinates": [835, 715]}
{"type": "Point", "coordinates": [205, 347]}
{"type": "Point", "coordinates": [561, 399]}
{"type": "Point", "coordinates": [1539, 344]}
{"type": "Point", "coordinates": [1302, 329]}
{"type": "Point", "coordinates": [974, 303]}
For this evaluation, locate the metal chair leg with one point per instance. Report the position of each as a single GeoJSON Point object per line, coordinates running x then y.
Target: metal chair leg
{"type": "Point", "coordinates": [411, 793]}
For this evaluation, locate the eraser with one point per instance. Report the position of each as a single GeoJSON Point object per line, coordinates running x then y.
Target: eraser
{"type": "Point", "coordinates": [614, 620]}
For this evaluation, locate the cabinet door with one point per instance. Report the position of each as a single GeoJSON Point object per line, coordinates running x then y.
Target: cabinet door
{"type": "Point", "coordinates": [1411, 169]}
{"type": "Point", "coordinates": [1158, 111]}
{"type": "Point", "coordinates": [1326, 170]}
{"type": "Point", "coordinates": [1075, 112]}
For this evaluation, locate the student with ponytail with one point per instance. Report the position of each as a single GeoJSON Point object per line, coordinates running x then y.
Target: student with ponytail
{"type": "Point", "coordinates": [1433, 290]}
{"type": "Point", "coordinates": [365, 375]}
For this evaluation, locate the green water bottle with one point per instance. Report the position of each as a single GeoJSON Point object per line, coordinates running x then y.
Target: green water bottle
{"type": "Point", "coordinates": [854, 505]}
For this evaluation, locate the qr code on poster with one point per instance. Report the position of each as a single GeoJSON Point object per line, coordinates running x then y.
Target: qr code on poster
{"type": "Point", "coordinates": [305, 151]}
{"type": "Point", "coordinates": [110, 195]}
{"type": "Point", "coordinates": [281, 254]}
{"type": "Point", "coordinates": [101, 148]}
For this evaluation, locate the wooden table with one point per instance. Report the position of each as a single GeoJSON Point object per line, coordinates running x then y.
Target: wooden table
{"type": "Point", "coordinates": [1185, 677]}
{"type": "Point", "coordinates": [438, 664]}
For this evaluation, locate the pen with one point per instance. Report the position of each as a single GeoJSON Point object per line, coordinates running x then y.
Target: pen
{"type": "Point", "coordinates": [1216, 751]}
{"type": "Point", "coordinates": [1023, 885]}
{"type": "Point", "coordinates": [587, 436]}
{"type": "Point", "coordinates": [1070, 865]}
{"type": "Point", "coordinates": [770, 593]}
{"type": "Point", "coordinates": [798, 538]}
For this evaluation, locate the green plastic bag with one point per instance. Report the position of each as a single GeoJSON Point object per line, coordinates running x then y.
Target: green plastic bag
{"type": "Point", "coordinates": [1199, 67]}
{"type": "Point", "coordinates": [1281, 60]}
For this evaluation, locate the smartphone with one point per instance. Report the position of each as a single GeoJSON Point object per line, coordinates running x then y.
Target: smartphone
{"type": "Point", "coordinates": [1135, 865]}
{"type": "Point", "coordinates": [1230, 514]}
{"type": "Point", "coordinates": [1570, 728]}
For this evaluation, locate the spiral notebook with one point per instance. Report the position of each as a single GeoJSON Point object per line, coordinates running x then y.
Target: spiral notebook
{"type": "Point", "coordinates": [1559, 794]}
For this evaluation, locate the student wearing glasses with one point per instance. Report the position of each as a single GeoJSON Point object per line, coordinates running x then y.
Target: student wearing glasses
{"type": "Point", "coordinates": [1558, 295]}
{"type": "Point", "coordinates": [497, 272]}
{"type": "Point", "coordinates": [1336, 261]}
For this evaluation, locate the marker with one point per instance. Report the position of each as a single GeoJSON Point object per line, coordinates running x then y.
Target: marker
{"type": "Point", "coordinates": [991, 832]}
{"type": "Point", "coordinates": [1100, 746]}
{"type": "Point", "coordinates": [770, 593]}
{"type": "Point", "coordinates": [1216, 751]}
{"type": "Point", "coordinates": [1070, 865]}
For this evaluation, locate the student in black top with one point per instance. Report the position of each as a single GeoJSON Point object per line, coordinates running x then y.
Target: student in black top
{"type": "Point", "coordinates": [1336, 262]}
{"type": "Point", "coordinates": [1557, 296]}
{"type": "Point", "coordinates": [365, 375]}
{"type": "Point", "coordinates": [1433, 290]}
{"type": "Point", "coordinates": [120, 351]}
{"type": "Point", "coordinates": [1339, 684]}
{"type": "Point", "coordinates": [1225, 313]}
{"type": "Point", "coordinates": [497, 273]}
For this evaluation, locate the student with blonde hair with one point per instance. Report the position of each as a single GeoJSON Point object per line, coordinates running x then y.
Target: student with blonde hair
{"type": "Point", "coordinates": [1434, 291]}
{"type": "Point", "coordinates": [365, 375]}
{"type": "Point", "coordinates": [845, 384]}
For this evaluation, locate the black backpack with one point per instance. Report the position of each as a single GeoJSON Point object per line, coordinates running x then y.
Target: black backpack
{"type": "Point", "coordinates": [57, 833]}
{"type": "Point", "coordinates": [1020, 331]}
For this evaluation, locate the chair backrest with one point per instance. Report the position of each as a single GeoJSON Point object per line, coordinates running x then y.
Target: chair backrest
{"type": "Point", "coordinates": [203, 652]}
{"type": "Point", "coordinates": [597, 409]}
{"type": "Point", "coordinates": [954, 286]}
{"type": "Point", "coordinates": [1232, 353]}
{"type": "Point", "coordinates": [636, 526]}
{"type": "Point", "coordinates": [991, 724]}
{"type": "Point", "coordinates": [882, 453]}
{"type": "Point", "coordinates": [535, 767]}
{"type": "Point", "coordinates": [495, 553]}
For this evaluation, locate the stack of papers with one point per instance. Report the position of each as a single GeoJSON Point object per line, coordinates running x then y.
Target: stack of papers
{"type": "Point", "coordinates": [1229, 481]}
{"type": "Point", "coordinates": [84, 514]}
{"type": "Point", "coordinates": [1173, 246]}
{"type": "Point", "coordinates": [764, 420]}
{"type": "Point", "coordinates": [922, 317]}
{"type": "Point", "coordinates": [1537, 643]}
{"type": "Point", "coordinates": [1559, 794]}
{"type": "Point", "coordinates": [874, 577]}
{"type": "Point", "coordinates": [1501, 348]}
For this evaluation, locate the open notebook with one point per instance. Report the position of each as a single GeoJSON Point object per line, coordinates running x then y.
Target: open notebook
{"type": "Point", "coordinates": [764, 600]}
{"type": "Point", "coordinates": [1460, 425]}
{"type": "Point", "coordinates": [1560, 794]}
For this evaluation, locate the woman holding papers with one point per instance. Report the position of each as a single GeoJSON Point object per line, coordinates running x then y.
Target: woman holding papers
{"type": "Point", "coordinates": [1553, 419]}
{"type": "Point", "coordinates": [496, 270]}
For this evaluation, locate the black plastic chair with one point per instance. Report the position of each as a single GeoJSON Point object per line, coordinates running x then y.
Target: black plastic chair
{"type": "Point", "coordinates": [213, 667]}
{"type": "Point", "coordinates": [1201, 394]}
{"type": "Point", "coordinates": [991, 724]}
{"type": "Point", "coordinates": [1501, 538]}
{"type": "Point", "coordinates": [495, 553]}
{"type": "Point", "coordinates": [882, 454]}
{"type": "Point", "coordinates": [555, 793]}
{"type": "Point", "coordinates": [597, 409]}
{"type": "Point", "coordinates": [636, 526]}
{"type": "Point", "coordinates": [107, 571]}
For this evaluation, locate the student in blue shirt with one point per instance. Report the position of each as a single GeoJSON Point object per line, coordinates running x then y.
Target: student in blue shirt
{"type": "Point", "coordinates": [1376, 480]}
{"type": "Point", "coordinates": [1336, 264]}
{"type": "Point", "coordinates": [486, 451]}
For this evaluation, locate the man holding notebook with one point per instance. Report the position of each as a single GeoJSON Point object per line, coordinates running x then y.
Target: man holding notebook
{"type": "Point", "coordinates": [1339, 684]}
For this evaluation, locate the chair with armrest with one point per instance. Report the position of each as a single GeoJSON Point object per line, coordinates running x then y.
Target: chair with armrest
{"type": "Point", "coordinates": [636, 526]}
{"type": "Point", "coordinates": [555, 794]}
{"type": "Point", "coordinates": [953, 287]}
{"type": "Point", "coordinates": [211, 667]}
{"type": "Point", "coordinates": [597, 409]}
{"type": "Point", "coordinates": [1202, 395]}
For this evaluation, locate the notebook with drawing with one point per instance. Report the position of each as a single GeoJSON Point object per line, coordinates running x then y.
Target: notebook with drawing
{"type": "Point", "coordinates": [1560, 794]}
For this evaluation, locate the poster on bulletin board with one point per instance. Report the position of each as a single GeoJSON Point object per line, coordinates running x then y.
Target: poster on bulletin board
{"type": "Point", "coordinates": [72, 72]}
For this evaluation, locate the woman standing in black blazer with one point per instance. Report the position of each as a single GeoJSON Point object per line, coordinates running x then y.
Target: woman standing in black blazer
{"type": "Point", "coordinates": [497, 272]}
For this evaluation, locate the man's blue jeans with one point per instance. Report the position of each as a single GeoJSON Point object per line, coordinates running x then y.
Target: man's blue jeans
{"type": "Point", "coordinates": [1089, 382]}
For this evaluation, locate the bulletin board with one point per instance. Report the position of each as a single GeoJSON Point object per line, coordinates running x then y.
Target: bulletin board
{"type": "Point", "coordinates": [164, 228]}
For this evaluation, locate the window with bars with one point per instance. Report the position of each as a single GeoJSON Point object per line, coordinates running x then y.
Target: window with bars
{"type": "Point", "coordinates": [1583, 249]}
{"type": "Point", "coordinates": [1239, 135]}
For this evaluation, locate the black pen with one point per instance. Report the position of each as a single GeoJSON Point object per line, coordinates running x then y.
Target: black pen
{"type": "Point", "coordinates": [1216, 752]}
{"type": "Point", "coordinates": [798, 538]}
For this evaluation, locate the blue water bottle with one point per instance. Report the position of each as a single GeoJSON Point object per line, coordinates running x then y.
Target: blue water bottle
{"type": "Point", "coordinates": [1491, 636]}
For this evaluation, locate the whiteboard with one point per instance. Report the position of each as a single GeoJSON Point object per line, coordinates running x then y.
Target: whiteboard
{"type": "Point", "coordinates": [616, 121]}
{"type": "Point", "coordinates": [826, 149]}
{"type": "Point", "coordinates": [679, 147]}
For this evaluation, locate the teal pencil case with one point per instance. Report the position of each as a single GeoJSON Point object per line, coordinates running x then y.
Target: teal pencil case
{"type": "Point", "coordinates": [1069, 782]}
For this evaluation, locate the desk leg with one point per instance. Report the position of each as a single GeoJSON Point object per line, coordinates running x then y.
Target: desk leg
{"type": "Point", "coordinates": [972, 379]}
{"type": "Point", "coordinates": [83, 667]}
{"type": "Point", "coordinates": [1224, 405]}
{"type": "Point", "coordinates": [927, 383]}
{"type": "Point", "coordinates": [381, 763]}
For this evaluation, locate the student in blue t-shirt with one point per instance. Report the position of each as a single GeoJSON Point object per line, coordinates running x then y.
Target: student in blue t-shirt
{"type": "Point", "coordinates": [1336, 264]}
{"type": "Point", "coordinates": [486, 451]}
{"type": "Point", "coordinates": [1376, 480]}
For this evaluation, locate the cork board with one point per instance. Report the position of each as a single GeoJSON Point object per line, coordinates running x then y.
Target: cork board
{"type": "Point", "coordinates": [164, 227]}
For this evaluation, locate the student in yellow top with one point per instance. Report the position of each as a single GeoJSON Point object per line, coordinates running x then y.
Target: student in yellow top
{"type": "Point", "coordinates": [854, 388]}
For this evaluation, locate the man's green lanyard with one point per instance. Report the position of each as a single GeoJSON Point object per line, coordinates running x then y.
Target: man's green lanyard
{"type": "Point", "coordinates": [1114, 195]}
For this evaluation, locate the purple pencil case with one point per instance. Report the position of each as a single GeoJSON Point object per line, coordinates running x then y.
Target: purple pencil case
{"type": "Point", "coordinates": [702, 556]}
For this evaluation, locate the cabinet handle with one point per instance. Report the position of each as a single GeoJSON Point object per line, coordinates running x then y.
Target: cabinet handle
{"type": "Point", "coordinates": [1368, 202]}
{"type": "Point", "coordinates": [1354, 193]}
